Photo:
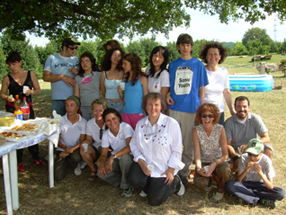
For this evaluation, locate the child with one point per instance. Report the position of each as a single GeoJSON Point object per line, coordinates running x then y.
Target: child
{"type": "Point", "coordinates": [136, 86]}
{"type": "Point", "coordinates": [188, 77]}
{"type": "Point", "coordinates": [254, 180]}
{"type": "Point", "coordinates": [158, 75]}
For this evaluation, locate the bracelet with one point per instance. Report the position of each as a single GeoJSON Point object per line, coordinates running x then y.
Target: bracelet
{"type": "Point", "coordinates": [71, 150]}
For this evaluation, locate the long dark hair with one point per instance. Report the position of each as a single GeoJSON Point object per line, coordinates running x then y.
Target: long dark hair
{"type": "Point", "coordinates": [165, 53]}
{"type": "Point", "coordinates": [92, 60]}
{"type": "Point", "coordinates": [106, 62]}
{"type": "Point", "coordinates": [13, 57]}
{"type": "Point", "coordinates": [136, 65]}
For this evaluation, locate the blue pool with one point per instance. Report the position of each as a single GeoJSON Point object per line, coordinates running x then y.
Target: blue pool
{"type": "Point", "coordinates": [258, 83]}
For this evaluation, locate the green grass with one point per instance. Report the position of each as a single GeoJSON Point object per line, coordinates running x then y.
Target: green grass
{"type": "Point", "coordinates": [74, 195]}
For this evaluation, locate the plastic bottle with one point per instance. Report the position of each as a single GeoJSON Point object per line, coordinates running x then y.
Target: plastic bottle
{"type": "Point", "coordinates": [18, 113]}
{"type": "Point", "coordinates": [25, 109]}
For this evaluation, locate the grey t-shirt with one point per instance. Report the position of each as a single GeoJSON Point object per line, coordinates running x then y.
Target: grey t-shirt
{"type": "Point", "coordinates": [89, 88]}
{"type": "Point", "coordinates": [266, 167]}
{"type": "Point", "coordinates": [239, 133]}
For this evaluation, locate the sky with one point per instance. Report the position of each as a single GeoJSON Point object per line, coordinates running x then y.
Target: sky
{"type": "Point", "coordinates": [207, 27]}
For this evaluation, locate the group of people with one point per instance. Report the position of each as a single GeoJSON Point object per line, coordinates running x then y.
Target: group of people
{"type": "Point", "coordinates": [145, 130]}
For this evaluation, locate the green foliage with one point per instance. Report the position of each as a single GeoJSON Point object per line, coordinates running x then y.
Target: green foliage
{"type": "Point", "coordinates": [239, 49]}
{"type": "Point", "coordinates": [3, 65]}
{"type": "Point", "coordinates": [228, 44]}
{"type": "Point", "coordinates": [257, 34]}
{"type": "Point", "coordinates": [198, 44]}
{"type": "Point", "coordinates": [283, 47]}
{"type": "Point", "coordinates": [173, 51]}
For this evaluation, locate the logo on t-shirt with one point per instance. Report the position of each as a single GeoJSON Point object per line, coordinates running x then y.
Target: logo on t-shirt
{"type": "Point", "coordinates": [183, 80]}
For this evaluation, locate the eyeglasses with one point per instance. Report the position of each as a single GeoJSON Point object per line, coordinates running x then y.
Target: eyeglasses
{"type": "Point", "coordinates": [73, 48]}
{"type": "Point", "coordinates": [252, 155]}
{"type": "Point", "coordinates": [85, 61]}
{"type": "Point", "coordinates": [100, 133]}
{"type": "Point", "coordinates": [207, 115]}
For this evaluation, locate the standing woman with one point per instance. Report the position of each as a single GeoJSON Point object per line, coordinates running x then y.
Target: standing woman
{"type": "Point", "coordinates": [157, 149]}
{"type": "Point", "coordinates": [136, 86]}
{"type": "Point", "coordinates": [114, 169]}
{"type": "Point", "coordinates": [94, 132]}
{"type": "Point", "coordinates": [14, 82]}
{"type": "Point", "coordinates": [210, 150]}
{"type": "Point", "coordinates": [87, 83]}
{"type": "Point", "coordinates": [213, 54]}
{"type": "Point", "coordinates": [158, 75]}
{"type": "Point", "coordinates": [110, 78]}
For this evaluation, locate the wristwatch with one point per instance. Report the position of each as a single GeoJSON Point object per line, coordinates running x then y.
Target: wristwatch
{"type": "Point", "coordinates": [114, 156]}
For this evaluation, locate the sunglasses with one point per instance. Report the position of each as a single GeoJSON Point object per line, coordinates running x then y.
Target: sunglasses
{"type": "Point", "coordinates": [100, 133]}
{"type": "Point", "coordinates": [207, 115]}
{"type": "Point", "coordinates": [252, 155]}
{"type": "Point", "coordinates": [73, 48]}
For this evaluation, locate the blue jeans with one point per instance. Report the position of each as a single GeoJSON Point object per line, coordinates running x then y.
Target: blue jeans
{"type": "Point", "coordinates": [116, 105]}
{"type": "Point", "coordinates": [59, 106]}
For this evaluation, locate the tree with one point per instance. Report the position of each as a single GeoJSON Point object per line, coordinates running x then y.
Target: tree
{"type": "Point", "coordinates": [173, 51]}
{"type": "Point", "coordinates": [239, 49]}
{"type": "Point", "coordinates": [3, 66]}
{"type": "Point", "coordinates": [105, 18]}
{"type": "Point", "coordinates": [257, 34]}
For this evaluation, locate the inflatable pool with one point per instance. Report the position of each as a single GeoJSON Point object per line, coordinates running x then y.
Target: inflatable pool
{"type": "Point", "coordinates": [258, 83]}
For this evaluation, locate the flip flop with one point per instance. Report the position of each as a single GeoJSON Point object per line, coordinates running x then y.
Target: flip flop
{"type": "Point", "coordinates": [91, 178]}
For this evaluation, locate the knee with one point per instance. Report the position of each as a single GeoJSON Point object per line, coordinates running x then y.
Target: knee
{"type": "Point", "coordinates": [201, 182]}
{"type": "Point", "coordinates": [280, 193]}
{"type": "Point", "coordinates": [125, 159]}
{"type": "Point", "coordinates": [154, 202]}
{"type": "Point", "coordinates": [223, 171]}
{"type": "Point", "coordinates": [229, 185]}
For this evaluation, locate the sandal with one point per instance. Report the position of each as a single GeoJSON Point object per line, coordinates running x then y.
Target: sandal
{"type": "Point", "coordinates": [91, 178]}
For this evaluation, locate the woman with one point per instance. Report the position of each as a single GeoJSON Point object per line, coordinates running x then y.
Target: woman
{"type": "Point", "coordinates": [157, 149]}
{"type": "Point", "coordinates": [136, 86]}
{"type": "Point", "coordinates": [114, 169]}
{"type": "Point", "coordinates": [72, 134]}
{"type": "Point", "coordinates": [158, 75]}
{"type": "Point", "coordinates": [94, 132]}
{"type": "Point", "coordinates": [213, 54]}
{"type": "Point", "coordinates": [15, 82]}
{"type": "Point", "coordinates": [87, 83]}
{"type": "Point", "coordinates": [110, 44]}
{"type": "Point", "coordinates": [210, 150]}
{"type": "Point", "coordinates": [111, 77]}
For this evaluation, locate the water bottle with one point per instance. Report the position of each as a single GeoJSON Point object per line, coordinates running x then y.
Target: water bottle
{"type": "Point", "coordinates": [25, 109]}
{"type": "Point", "coordinates": [17, 104]}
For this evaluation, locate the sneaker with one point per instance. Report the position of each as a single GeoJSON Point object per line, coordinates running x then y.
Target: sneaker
{"type": "Point", "coordinates": [268, 203]}
{"type": "Point", "coordinates": [82, 164]}
{"type": "Point", "coordinates": [143, 194]}
{"type": "Point", "coordinates": [39, 162]}
{"type": "Point", "coordinates": [182, 188]}
{"type": "Point", "coordinates": [21, 167]}
{"type": "Point", "coordinates": [217, 196]}
{"type": "Point", "coordinates": [77, 170]}
{"type": "Point", "coordinates": [127, 192]}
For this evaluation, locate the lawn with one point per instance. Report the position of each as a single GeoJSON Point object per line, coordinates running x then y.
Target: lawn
{"type": "Point", "coordinates": [75, 195]}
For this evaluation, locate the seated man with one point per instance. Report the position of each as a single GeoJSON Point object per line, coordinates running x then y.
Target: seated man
{"type": "Point", "coordinates": [254, 180]}
{"type": "Point", "coordinates": [242, 127]}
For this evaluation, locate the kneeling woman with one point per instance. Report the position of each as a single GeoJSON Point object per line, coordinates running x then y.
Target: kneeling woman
{"type": "Point", "coordinates": [157, 149]}
{"type": "Point", "coordinates": [72, 134]}
{"type": "Point", "coordinates": [114, 169]}
{"type": "Point", "coordinates": [210, 149]}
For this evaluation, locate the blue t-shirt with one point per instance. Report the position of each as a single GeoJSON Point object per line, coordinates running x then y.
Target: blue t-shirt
{"type": "Point", "coordinates": [186, 77]}
{"type": "Point", "coordinates": [59, 65]}
{"type": "Point", "coordinates": [133, 97]}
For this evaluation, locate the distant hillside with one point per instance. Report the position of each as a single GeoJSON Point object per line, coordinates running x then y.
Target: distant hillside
{"type": "Point", "coordinates": [228, 44]}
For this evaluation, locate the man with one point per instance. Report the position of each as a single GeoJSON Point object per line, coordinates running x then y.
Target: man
{"type": "Point", "coordinates": [60, 70]}
{"type": "Point", "coordinates": [188, 77]}
{"type": "Point", "coordinates": [242, 127]}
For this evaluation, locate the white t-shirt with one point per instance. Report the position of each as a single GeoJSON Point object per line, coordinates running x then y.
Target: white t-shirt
{"type": "Point", "coordinates": [155, 84]}
{"type": "Point", "coordinates": [70, 133]}
{"type": "Point", "coordinates": [218, 81]}
{"type": "Point", "coordinates": [266, 167]}
{"type": "Point", "coordinates": [159, 145]}
{"type": "Point", "coordinates": [119, 142]}
{"type": "Point", "coordinates": [93, 130]}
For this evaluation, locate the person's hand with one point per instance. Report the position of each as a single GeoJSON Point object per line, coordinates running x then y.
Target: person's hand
{"type": "Point", "coordinates": [202, 172]}
{"type": "Point", "coordinates": [29, 92]}
{"type": "Point", "coordinates": [10, 98]}
{"type": "Point", "coordinates": [211, 169]}
{"type": "Point", "coordinates": [74, 71]}
{"type": "Point", "coordinates": [170, 175]}
{"type": "Point", "coordinates": [144, 167]}
{"type": "Point", "coordinates": [102, 171]}
{"type": "Point", "coordinates": [69, 81]}
{"type": "Point", "coordinates": [242, 148]}
{"type": "Point", "coordinates": [69, 150]}
{"type": "Point", "coordinates": [109, 163]}
{"type": "Point", "coordinates": [64, 154]}
{"type": "Point", "coordinates": [169, 99]}
{"type": "Point", "coordinates": [257, 167]}
{"type": "Point", "coordinates": [119, 90]}
{"type": "Point", "coordinates": [248, 165]}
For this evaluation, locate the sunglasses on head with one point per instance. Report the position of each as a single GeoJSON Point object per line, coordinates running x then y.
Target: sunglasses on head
{"type": "Point", "coordinates": [251, 155]}
{"type": "Point", "coordinates": [73, 48]}
{"type": "Point", "coordinates": [100, 133]}
{"type": "Point", "coordinates": [207, 115]}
